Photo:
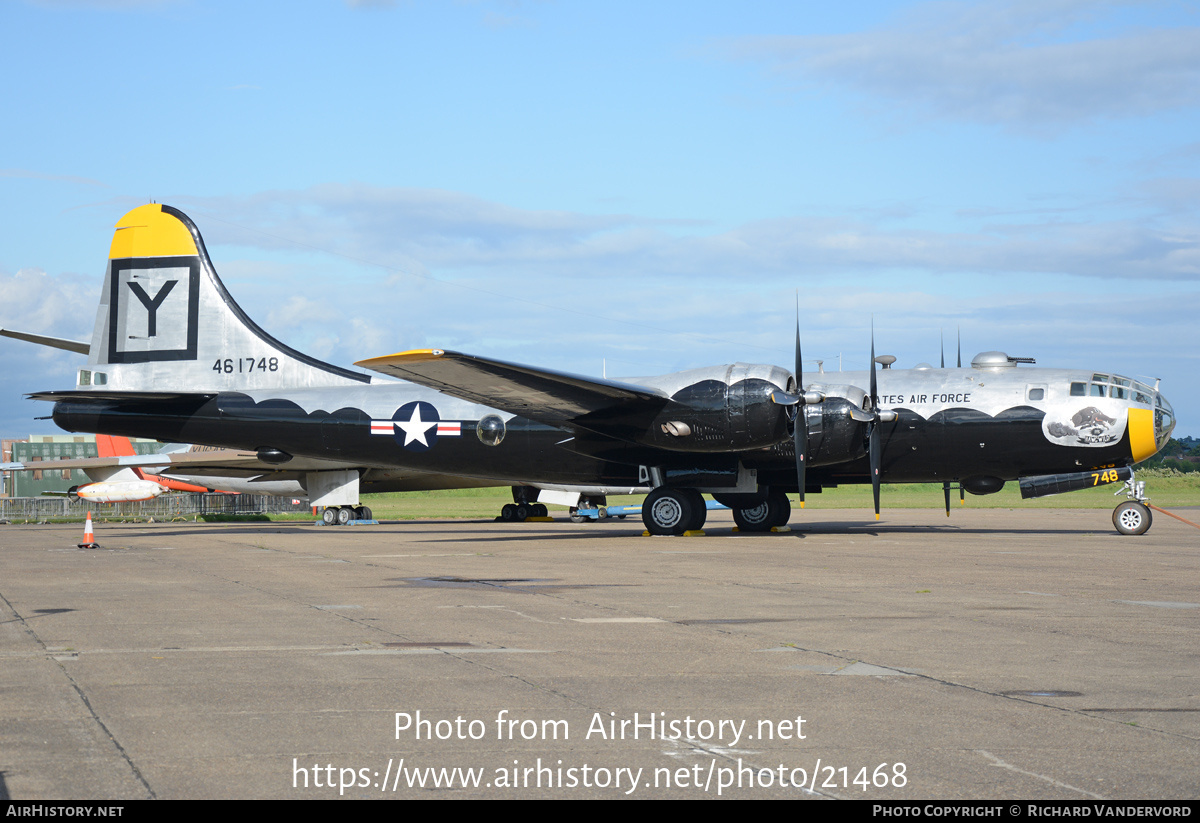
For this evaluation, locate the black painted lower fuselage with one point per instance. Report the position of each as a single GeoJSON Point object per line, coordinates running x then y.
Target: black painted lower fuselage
{"type": "Point", "coordinates": [954, 444]}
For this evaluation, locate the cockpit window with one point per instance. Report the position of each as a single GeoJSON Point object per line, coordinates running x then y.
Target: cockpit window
{"type": "Point", "coordinates": [1116, 387]}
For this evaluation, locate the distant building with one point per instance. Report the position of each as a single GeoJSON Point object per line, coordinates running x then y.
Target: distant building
{"type": "Point", "coordinates": [40, 447]}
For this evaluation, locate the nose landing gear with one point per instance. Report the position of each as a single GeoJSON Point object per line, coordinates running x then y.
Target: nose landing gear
{"type": "Point", "coordinates": [1133, 516]}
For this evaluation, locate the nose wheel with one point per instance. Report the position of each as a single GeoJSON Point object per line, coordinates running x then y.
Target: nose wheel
{"type": "Point", "coordinates": [1132, 517]}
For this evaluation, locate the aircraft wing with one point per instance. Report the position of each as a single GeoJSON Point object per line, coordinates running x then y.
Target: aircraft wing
{"type": "Point", "coordinates": [183, 462]}
{"type": "Point", "coordinates": [556, 398]}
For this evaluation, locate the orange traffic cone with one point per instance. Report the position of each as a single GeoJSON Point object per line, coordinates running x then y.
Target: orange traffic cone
{"type": "Point", "coordinates": [89, 539]}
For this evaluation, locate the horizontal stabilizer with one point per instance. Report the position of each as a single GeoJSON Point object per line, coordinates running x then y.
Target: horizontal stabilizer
{"type": "Point", "coordinates": [229, 460]}
{"type": "Point", "coordinates": [538, 394]}
{"type": "Point", "coordinates": [132, 396]}
{"type": "Point", "coordinates": [44, 340]}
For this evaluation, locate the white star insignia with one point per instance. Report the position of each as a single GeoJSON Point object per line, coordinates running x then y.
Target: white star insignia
{"type": "Point", "coordinates": [415, 428]}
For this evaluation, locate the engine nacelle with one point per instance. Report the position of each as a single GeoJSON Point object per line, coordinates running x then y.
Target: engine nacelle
{"type": "Point", "coordinates": [723, 409]}
{"type": "Point", "coordinates": [834, 436]}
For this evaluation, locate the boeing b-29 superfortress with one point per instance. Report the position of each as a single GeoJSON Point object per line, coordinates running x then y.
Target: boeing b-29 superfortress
{"type": "Point", "coordinates": [173, 357]}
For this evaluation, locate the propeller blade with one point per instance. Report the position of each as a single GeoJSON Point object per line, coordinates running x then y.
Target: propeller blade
{"type": "Point", "coordinates": [874, 450]}
{"type": "Point", "coordinates": [799, 362]}
{"type": "Point", "coordinates": [800, 427]}
{"type": "Point", "coordinates": [942, 336]}
{"type": "Point", "coordinates": [782, 398]}
{"type": "Point", "coordinates": [801, 435]}
{"type": "Point", "coordinates": [960, 347]}
{"type": "Point", "coordinates": [874, 385]}
{"type": "Point", "coordinates": [873, 435]}
{"type": "Point", "coordinates": [946, 492]}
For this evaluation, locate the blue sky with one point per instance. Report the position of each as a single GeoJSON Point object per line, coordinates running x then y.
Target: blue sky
{"type": "Point", "coordinates": [640, 185]}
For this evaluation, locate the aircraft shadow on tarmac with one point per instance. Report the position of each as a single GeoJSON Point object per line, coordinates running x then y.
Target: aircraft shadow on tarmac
{"type": "Point", "coordinates": [429, 531]}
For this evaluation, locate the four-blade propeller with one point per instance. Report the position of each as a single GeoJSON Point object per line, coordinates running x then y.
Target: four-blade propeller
{"type": "Point", "coordinates": [873, 417]}
{"type": "Point", "coordinates": [878, 415]}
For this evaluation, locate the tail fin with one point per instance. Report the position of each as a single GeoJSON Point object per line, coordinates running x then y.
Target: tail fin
{"type": "Point", "coordinates": [109, 446]}
{"type": "Point", "coordinates": [166, 322]}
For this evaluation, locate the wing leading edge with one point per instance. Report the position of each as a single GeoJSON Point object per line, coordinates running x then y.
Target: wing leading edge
{"type": "Point", "coordinates": [551, 397]}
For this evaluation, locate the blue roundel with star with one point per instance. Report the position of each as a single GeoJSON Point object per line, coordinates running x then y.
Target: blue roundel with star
{"type": "Point", "coordinates": [416, 425]}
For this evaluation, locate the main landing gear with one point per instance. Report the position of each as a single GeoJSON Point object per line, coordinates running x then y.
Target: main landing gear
{"type": "Point", "coordinates": [341, 515]}
{"type": "Point", "coordinates": [774, 512]}
{"type": "Point", "coordinates": [675, 511]}
{"type": "Point", "coordinates": [1133, 516]}
{"type": "Point", "coordinates": [519, 512]}
{"type": "Point", "coordinates": [523, 507]}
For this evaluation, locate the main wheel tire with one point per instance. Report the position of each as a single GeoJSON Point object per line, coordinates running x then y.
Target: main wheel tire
{"type": "Point", "coordinates": [669, 511]}
{"type": "Point", "coordinates": [774, 511]}
{"type": "Point", "coordinates": [329, 516]}
{"type": "Point", "coordinates": [539, 510]}
{"type": "Point", "coordinates": [753, 519]}
{"type": "Point", "coordinates": [508, 512]}
{"type": "Point", "coordinates": [344, 515]}
{"type": "Point", "coordinates": [522, 512]}
{"type": "Point", "coordinates": [1132, 517]}
{"type": "Point", "coordinates": [699, 511]}
{"type": "Point", "coordinates": [781, 508]}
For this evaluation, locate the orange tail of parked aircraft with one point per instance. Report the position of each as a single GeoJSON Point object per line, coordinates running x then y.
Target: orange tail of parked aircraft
{"type": "Point", "coordinates": [110, 446]}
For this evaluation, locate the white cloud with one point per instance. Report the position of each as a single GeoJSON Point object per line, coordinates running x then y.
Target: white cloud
{"type": "Point", "coordinates": [1024, 64]}
{"type": "Point", "coordinates": [58, 178]}
{"type": "Point", "coordinates": [61, 306]}
{"type": "Point", "coordinates": [113, 5]}
{"type": "Point", "coordinates": [439, 233]}
{"type": "Point", "coordinates": [56, 305]}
